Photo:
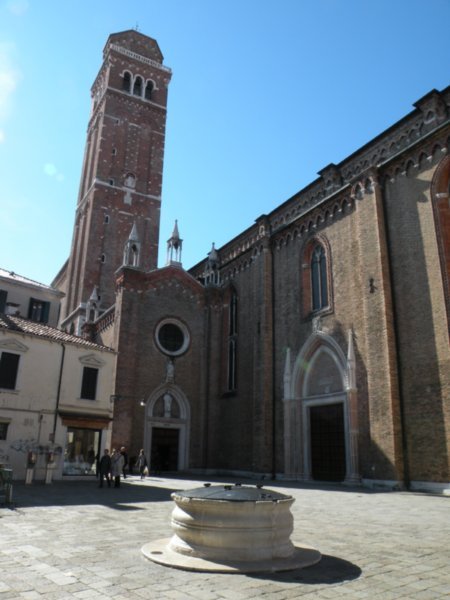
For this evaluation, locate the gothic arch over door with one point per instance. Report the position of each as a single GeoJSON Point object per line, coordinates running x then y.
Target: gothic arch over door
{"type": "Point", "coordinates": [320, 412]}
{"type": "Point", "coordinates": [167, 427]}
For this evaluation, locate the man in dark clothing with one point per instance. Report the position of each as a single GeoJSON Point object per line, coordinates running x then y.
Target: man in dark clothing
{"type": "Point", "coordinates": [104, 468]}
{"type": "Point", "coordinates": [123, 452]}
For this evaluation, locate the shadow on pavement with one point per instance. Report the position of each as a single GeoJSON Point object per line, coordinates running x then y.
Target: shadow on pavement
{"type": "Point", "coordinates": [71, 493]}
{"type": "Point", "coordinates": [131, 491]}
{"type": "Point", "coordinates": [329, 570]}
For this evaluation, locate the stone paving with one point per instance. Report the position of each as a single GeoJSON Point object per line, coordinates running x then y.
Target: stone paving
{"type": "Point", "coordinates": [72, 540]}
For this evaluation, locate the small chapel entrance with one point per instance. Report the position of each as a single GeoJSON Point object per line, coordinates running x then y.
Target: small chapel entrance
{"type": "Point", "coordinates": [167, 430]}
{"type": "Point", "coordinates": [327, 433]}
{"type": "Point", "coordinates": [164, 453]}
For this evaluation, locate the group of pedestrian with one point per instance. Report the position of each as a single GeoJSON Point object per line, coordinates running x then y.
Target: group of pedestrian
{"type": "Point", "coordinates": [112, 466]}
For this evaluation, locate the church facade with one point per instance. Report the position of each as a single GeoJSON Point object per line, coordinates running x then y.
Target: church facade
{"type": "Point", "coordinates": [314, 346]}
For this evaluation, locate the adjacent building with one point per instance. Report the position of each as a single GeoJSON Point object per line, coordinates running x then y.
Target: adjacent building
{"type": "Point", "coordinates": [23, 297]}
{"type": "Point", "coordinates": [55, 399]}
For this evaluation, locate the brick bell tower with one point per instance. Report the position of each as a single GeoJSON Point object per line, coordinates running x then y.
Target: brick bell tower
{"type": "Point", "coordinates": [120, 188]}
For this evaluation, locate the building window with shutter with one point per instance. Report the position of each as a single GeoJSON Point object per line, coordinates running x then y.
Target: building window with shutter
{"type": "Point", "coordinates": [89, 383]}
{"type": "Point", "coordinates": [38, 310]}
{"type": "Point", "coordinates": [4, 429]}
{"type": "Point", "coordinates": [3, 296]}
{"type": "Point", "coordinates": [9, 367]}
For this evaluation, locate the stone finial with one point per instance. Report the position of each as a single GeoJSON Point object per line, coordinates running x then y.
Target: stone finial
{"type": "Point", "coordinates": [174, 247]}
{"type": "Point", "coordinates": [132, 250]}
{"type": "Point", "coordinates": [332, 178]}
{"type": "Point", "coordinates": [93, 306]}
{"type": "Point", "coordinates": [94, 296]}
{"type": "Point", "coordinates": [433, 107]}
{"type": "Point", "coordinates": [212, 273]}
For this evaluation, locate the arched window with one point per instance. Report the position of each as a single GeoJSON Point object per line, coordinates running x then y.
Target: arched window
{"type": "Point", "coordinates": [319, 280]}
{"type": "Point", "coordinates": [316, 284]}
{"type": "Point", "coordinates": [149, 90]}
{"type": "Point", "coordinates": [233, 316]}
{"type": "Point", "coordinates": [126, 82]}
{"type": "Point", "coordinates": [135, 255]}
{"type": "Point", "coordinates": [137, 88]}
{"type": "Point", "coordinates": [440, 191]}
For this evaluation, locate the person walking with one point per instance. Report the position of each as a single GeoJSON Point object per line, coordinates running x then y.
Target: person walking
{"type": "Point", "coordinates": [141, 463]}
{"type": "Point", "coordinates": [123, 452]}
{"type": "Point", "coordinates": [117, 461]}
{"type": "Point", "coordinates": [104, 468]}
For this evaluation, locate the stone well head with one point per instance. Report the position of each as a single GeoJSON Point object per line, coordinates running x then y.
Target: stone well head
{"type": "Point", "coordinates": [228, 528]}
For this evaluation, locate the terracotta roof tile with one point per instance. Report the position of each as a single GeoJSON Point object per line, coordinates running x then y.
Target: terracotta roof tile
{"type": "Point", "coordinates": [20, 325]}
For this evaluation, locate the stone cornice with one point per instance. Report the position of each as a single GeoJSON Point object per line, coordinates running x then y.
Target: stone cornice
{"type": "Point", "coordinates": [137, 280]}
{"type": "Point", "coordinates": [139, 57]}
{"type": "Point", "coordinates": [340, 185]}
{"type": "Point", "coordinates": [124, 96]}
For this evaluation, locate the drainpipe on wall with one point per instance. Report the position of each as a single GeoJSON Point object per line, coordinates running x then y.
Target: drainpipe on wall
{"type": "Point", "coordinates": [58, 392]}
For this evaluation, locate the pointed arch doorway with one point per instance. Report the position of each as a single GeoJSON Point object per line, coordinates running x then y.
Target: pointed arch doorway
{"type": "Point", "coordinates": [167, 426]}
{"type": "Point", "coordinates": [327, 442]}
{"type": "Point", "coordinates": [320, 413]}
{"type": "Point", "coordinates": [165, 447]}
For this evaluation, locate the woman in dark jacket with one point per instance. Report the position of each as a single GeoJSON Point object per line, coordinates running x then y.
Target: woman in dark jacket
{"type": "Point", "coordinates": [104, 468]}
{"type": "Point", "coordinates": [141, 463]}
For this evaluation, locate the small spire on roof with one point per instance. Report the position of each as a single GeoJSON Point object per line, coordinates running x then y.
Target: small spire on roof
{"type": "Point", "coordinates": [213, 255]}
{"type": "Point", "coordinates": [175, 237]}
{"type": "Point", "coordinates": [93, 306]}
{"type": "Point", "coordinates": [174, 246]}
{"type": "Point", "coordinates": [134, 236]}
{"type": "Point", "coordinates": [212, 270]}
{"type": "Point", "coordinates": [94, 296]}
{"type": "Point", "coordinates": [132, 250]}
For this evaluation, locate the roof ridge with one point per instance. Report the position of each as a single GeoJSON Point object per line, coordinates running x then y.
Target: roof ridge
{"type": "Point", "coordinates": [13, 274]}
{"type": "Point", "coordinates": [42, 330]}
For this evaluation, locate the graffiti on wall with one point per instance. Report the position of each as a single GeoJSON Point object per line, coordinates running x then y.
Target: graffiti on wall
{"type": "Point", "coordinates": [30, 445]}
{"type": "Point", "coordinates": [23, 446]}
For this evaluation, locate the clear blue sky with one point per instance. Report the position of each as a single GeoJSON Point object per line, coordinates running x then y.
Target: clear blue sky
{"type": "Point", "coordinates": [264, 94]}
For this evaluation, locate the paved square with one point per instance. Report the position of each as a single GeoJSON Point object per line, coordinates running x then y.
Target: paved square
{"type": "Point", "coordinates": [73, 540]}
